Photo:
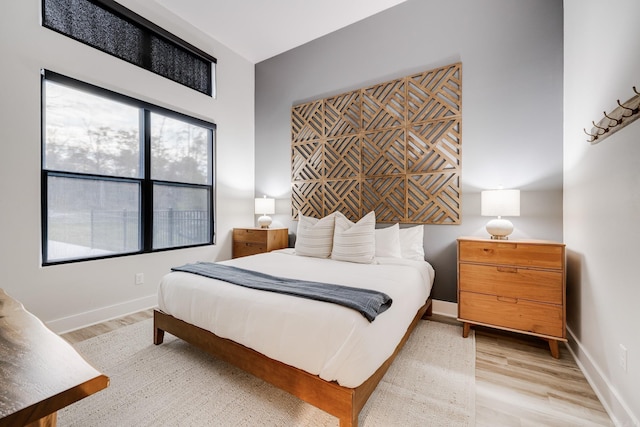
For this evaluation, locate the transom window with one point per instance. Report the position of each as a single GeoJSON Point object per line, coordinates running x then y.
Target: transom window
{"type": "Point", "coordinates": [121, 176]}
{"type": "Point", "coordinates": [112, 28]}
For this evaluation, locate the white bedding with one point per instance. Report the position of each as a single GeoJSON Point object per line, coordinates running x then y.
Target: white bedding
{"type": "Point", "coordinates": [328, 340]}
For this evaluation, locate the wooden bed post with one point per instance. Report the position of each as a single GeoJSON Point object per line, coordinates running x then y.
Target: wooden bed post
{"type": "Point", "coordinates": [158, 334]}
{"type": "Point", "coordinates": [429, 311]}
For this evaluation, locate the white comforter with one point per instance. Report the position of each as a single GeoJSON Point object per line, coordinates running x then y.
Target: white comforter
{"type": "Point", "coordinates": [328, 340]}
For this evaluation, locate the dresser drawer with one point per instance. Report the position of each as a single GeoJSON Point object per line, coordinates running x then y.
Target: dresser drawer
{"type": "Point", "coordinates": [514, 282]}
{"type": "Point", "coordinates": [512, 253]}
{"type": "Point", "coordinates": [512, 313]}
{"type": "Point", "coordinates": [250, 235]}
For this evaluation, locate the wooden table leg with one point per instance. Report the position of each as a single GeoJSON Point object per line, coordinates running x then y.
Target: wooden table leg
{"type": "Point", "coordinates": [466, 327]}
{"type": "Point", "coordinates": [48, 421]}
{"type": "Point", "coordinates": [555, 351]}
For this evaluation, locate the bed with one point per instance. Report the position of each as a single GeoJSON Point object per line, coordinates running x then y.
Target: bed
{"type": "Point", "coordinates": [327, 355]}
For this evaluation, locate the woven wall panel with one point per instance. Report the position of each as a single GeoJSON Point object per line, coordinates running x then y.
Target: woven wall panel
{"type": "Point", "coordinates": [387, 197]}
{"type": "Point", "coordinates": [433, 198]}
{"type": "Point", "coordinates": [434, 146]}
{"type": "Point", "coordinates": [306, 197]}
{"type": "Point", "coordinates": [342, 114]}
{"type": "Point", "coordinates": [307, 122]}
{"type": "Point", "coordinates": [384, 152]}
{"type": "Point", "coordinates": [435, 94]}
{"type": "Point", "coordinates": [393, 147]}
{"type": "Point", "coordinates": [344, 196]}
{"type": "Point", "coordinates": [384, 105]}
{"type": "Point", "coordinates": [306, 161]}
{"type": "Point", "coordinates": [342, 157]}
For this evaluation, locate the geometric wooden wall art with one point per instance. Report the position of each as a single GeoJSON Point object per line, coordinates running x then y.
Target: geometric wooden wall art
{"type": "Point", "coordinates": [393, 148]}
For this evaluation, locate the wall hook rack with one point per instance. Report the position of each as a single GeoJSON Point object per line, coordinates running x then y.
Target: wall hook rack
{"type": "Point", "coordinates": [625, 108]}
{"type": "Point", "coordinates": [604, 130]}
{"type": "Point", "coordinates": [593, 137]}
{"type": "Point", "coordinates": [617, 121]}
{"type": "Point", "coordinates": [623, 115]}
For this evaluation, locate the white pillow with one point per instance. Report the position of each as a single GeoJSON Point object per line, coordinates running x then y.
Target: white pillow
{"type": "Point", "coordinates": [411, 242]}
{"type": "Point", "coordinates": [315, 236]}
{"type": "Point", "coordinates": [388, 242]}
{"type": "Point", "coordinates": [354, 242]}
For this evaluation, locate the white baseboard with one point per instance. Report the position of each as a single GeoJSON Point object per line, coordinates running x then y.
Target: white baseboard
{"type": "Point", "coordinates": [88, 318]}
{"type": "Point", "coordinates": [445, 308]}
{"type": "Point", "coordinates": [618, 410]}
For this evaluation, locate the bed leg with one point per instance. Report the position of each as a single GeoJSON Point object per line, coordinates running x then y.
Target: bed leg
{"type": "Point", "coordinates": [428, 312]}
{"type": "Point", "coordinates": [158, 336]}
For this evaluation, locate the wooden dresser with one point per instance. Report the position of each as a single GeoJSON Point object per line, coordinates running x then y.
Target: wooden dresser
{"type": "Point", "coordinates": [251, 241]}
{"type": "Point", "coordinates": [40, 372]}
{"type": "Point", "coordinates": [516, 285]}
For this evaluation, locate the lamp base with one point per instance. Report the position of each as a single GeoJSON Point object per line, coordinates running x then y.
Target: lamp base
{"type": "Point", "coordinates": [264, 221]}
{"type": "Point", "coordinates": [499, 228]}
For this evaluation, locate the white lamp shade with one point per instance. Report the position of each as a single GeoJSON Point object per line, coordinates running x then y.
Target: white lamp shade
{"type": "Point", "coordinates": [500, 203]}
{"type": "Point", "coordinates": [265, 206]}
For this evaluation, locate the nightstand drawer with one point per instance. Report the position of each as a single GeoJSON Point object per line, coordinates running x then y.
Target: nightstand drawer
{"type": "Point", "coordinates": [249, 235]}
{"type": "Point", "coordinates": [252, 241]}
{"type": "Point", "coordinates": [512, 253]}
{"type": "Point", "coordinates": [514, 282]}
{"type": "Point", "coordinates": [248, 248]}
{"type": "Point", "coordinates": [512, 313]}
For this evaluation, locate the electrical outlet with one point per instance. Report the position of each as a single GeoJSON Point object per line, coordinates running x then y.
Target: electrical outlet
{"type": "Point", "coordinates": [139, 278]}
{"type": "Point", "coordinates": [622, 357]}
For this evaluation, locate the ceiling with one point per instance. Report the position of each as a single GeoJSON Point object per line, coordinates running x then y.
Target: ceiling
{"type": "Point", "coordinates": [260, 29]}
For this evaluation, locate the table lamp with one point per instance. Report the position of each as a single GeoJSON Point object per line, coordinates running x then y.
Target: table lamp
{"type": "Point", "coordinates": [500, 203]}
{"type": "Point", "coordinates": [265, 207]}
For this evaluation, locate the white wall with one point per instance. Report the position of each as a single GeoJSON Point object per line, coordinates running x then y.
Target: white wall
{"type": "Point", "coordinates": [72, 295]}
{"type": "Point", "coordinates": [511, 53]}
{"type": "Point", "coordinates": [602, 199]}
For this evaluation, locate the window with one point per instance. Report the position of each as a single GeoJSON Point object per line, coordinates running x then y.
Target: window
{"type": "Point", "coordinates": [120, 176]}
{"type": "Point", "coordinates": [110, 27]}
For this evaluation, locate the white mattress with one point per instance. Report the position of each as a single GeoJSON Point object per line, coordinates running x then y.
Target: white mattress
{"type": "Point", "coordinates": [328, 340]}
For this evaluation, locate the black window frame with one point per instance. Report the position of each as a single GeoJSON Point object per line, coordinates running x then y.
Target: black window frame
{"type": "Point", "coordinates": [145, 181]}
{"type": "Point", "coordinates": [115, 13]}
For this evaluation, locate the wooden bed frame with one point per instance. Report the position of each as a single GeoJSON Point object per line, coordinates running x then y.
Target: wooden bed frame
{"type": "Point", "coordinates": [342, 402]}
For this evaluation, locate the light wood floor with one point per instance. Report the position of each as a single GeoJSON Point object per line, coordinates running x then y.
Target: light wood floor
{"type": "Point", "coordinates": [518, 383]}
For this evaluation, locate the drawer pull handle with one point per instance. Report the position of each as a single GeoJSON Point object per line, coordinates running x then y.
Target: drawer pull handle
{"type": "Point", "coordinates": [507, 299]}
{"type": "Point", "coordinates": [507, 269]}
{"type": "Point", "coordinates": [487, 250]}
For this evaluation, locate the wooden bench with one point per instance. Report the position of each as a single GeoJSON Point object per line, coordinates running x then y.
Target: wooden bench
{"type": "Point", "coordinates": [40, 372]}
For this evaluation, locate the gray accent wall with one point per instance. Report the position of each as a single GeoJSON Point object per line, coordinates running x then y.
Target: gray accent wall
{"type": "Point", "coordinates": [512, 67]}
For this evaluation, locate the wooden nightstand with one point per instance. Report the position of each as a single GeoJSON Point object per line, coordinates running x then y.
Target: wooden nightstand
{"type": "Point", "coordinates": [515, 285]}
{"type": "Point", "coordinates": [251, 241]}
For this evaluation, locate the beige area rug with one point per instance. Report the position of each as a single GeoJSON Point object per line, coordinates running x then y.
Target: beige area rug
{"type": "Point", "coordinates": [431, 383]}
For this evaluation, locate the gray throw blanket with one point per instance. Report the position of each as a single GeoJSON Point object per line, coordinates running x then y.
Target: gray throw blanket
{"type": "Point", "coordinates": [368, 302]}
